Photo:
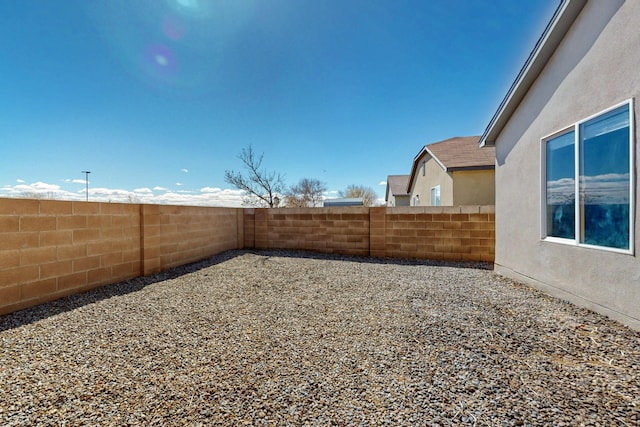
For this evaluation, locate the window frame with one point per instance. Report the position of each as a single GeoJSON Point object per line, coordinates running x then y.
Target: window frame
{"type": "Point", "coordinates": [436, 187]}
{"type": "Point", "coordinates": [575, 127]}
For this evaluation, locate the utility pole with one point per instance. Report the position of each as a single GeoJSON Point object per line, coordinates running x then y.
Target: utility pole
{"type": "Point", "coordinates": [86, 174]}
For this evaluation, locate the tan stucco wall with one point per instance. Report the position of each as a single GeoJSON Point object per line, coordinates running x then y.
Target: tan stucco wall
{"type": "Point", "coordinates": [434, 175]}
{"type": "Point", "coordinates": [474, 187]}
{"type": "Point", "coordinates": [400, 200]}
{"type": "Point", "coordinates": [594, 68]}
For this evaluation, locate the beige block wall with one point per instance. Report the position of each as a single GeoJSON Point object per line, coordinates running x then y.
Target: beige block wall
{"type": "Point", "coordinates": [49, 249]}
{"type": "Point", "coordinates": [440, 233]}
{"type": "Point", "coordinates": [474, 187]}
{"type": "Point", "coordinates": [178, 235]}
{"type": "Point", "coordinates": [330, 230]}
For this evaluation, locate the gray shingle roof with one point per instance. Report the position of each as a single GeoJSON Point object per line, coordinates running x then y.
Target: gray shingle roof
{"type": "Point", "coordinates": [462, 153]}
{"type": "Point", "coordinates": [398, 184]}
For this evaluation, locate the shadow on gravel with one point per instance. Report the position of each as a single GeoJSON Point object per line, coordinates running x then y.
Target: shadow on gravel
{"type": "Point", "coordinates": [71, 302]}
{"type": "Point", "coordinates": [363, 259]}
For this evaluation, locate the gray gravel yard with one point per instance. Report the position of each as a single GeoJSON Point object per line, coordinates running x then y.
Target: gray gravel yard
{"type": "Point", "coordinates": [282, 338]}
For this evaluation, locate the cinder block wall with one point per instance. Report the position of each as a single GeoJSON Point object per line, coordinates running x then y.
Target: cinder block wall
{"type": "Point", "coordinates": [453, 233]}
{"type": "Point", "coordinates": [330, 230]}
{"type": "Point", "coordinates": [176, 235]}
{"type": "Point", "coordinates": [441, 233]}
{"type": "Point", "coordinates": [49, 249]}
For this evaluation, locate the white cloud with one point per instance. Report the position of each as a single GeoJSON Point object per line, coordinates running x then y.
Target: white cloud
{"type": "Point", "coordinates": [20, 181]}
{"type": "Point", "coordinates": [382, 183]}
{"type": "Point", "coordinates": [143, 190]}
{"type": "Point", "coordinates": [37, 190]}
{"type": "Point", "coordinates": [207, 196]}
{"type": "Point", "coordinates": [179, 184]}
{"type": "Point", "coordinates": [210, 190]}
{"type": "Point", "coordinates": [184, 170]}
{"type": "Point", "coordinates": [75, 181]}
{"type": "Point", "coordinates": [40, 186]}
{"type": "Point", "coordinates": [601, 189]}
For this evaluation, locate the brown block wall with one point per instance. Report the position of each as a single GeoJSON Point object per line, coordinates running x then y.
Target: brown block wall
{"type": "Point", "coordinates": [329, 230]}
{"type": "Point", "coordinates": [177, 235]}
{"type": "Point", "coordinates": [441, 233]}
{"type": "Point", "coordinates": [249, 216]}
{"type": "Point", "coordinates": [455, 233]}
{"type": "Point", "coordinates": [49, 249]}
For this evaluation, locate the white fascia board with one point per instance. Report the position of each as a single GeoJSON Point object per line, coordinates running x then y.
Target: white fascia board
{"type": "Point", "coordinates": [551, 38]}
{"type": "Point", "coordinates": [436, 159]}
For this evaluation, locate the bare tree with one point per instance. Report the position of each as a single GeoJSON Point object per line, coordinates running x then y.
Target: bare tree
{"type": "Point", "coordinates": [260, 187]}
{"type": "Point", "coordinates": [49, 195]}
{"type": "Point", "coordinates": [368, 195]}
{"type": "Point", "coordinates": [306, 193]}
{"type": "Point", "coordinates": [133, 199]}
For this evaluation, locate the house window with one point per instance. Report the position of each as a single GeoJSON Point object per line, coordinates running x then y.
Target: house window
{"type": "Point", "coordinates": [424, 167]}
{"type": "Point", "coordinates": [435, 196]}
{"type": "Point", "coordinates": [587, 181]}
{"type": "Point", "coordinates": [416, 200]}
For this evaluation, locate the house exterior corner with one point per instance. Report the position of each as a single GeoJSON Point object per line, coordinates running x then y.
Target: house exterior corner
{"type": "Point", "coordinates": [566, 155]}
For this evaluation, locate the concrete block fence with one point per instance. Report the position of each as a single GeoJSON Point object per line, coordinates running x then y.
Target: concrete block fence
{"type": "Point", "coordinates": [49, 249]}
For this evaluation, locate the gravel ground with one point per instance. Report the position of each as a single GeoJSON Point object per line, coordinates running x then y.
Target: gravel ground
{"type": "Point", "coordinates": [282, 338]}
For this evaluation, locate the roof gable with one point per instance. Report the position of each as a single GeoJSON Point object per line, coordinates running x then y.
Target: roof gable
{"type": "Point", "coordinates": [397, 185]}
{"type": "Point", "coordinates": [462, 153]}
{"type": "Point", "coordinates": [454, 154]}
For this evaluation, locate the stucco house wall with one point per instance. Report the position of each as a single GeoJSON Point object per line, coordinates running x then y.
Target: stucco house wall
{"type": "Point", "coordinates": [595, 66]}
{"type": "Point", "coordinates": [396, 193]}
{"type": "Point", "coordinates": [400, 201]}
{"type": "Point", "coordinates": [433, 175]}
{"type": "Point", "coordinates": [474, 187]}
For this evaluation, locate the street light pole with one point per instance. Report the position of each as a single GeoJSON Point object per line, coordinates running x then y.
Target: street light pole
{"type": "Point", "coordinates": [86, 174]}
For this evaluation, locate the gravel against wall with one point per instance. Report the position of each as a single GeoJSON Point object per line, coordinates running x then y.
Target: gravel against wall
{"type": "Point", "coordinates": [278, 338]}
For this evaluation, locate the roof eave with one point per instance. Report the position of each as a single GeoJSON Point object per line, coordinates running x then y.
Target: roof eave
{"type": "Point", "coordinates": [551, 38]}
{"type": "Point", "coordinates": [414, 168]}
{"type": "Point", "coordinates": [436, 159]}
{"type": "Point", "coordinates": [472, 168]}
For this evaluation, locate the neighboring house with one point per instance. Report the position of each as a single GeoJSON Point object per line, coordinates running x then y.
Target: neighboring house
{"type": "Point", "coordinates": [566, 161]}
{"type": "Point", "coordinates": [453, 172]}
{"type": "Point", "coordinates": [397, 190]}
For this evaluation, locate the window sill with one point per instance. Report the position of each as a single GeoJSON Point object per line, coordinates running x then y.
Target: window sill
{"type": "Point", "coordinates": [568, 242]}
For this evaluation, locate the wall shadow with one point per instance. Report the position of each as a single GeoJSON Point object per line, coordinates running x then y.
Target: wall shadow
{"type": "Point", "coordinates": [74, 301]}
{"type": "Point", "coordinates": [71, 302]}
{"type": "Point", "coordinates": [370, 260]}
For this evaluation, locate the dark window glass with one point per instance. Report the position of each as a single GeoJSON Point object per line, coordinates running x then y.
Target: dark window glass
{"type": "Point", "coordinates": [561, 189]}
{"type": "Point", "coordinates": [605, 180]}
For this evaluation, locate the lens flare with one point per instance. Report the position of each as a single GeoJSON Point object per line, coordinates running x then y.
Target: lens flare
{"type": "Point", "coordinates": [161, 61]}
{"type": "Point", "coordinates": [173, 27]}
{"type": "Point", "coordinates": [172, 45]}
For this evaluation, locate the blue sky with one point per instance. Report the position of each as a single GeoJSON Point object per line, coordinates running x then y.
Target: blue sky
{"type": "Point", "coordinates": [158, 97]}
